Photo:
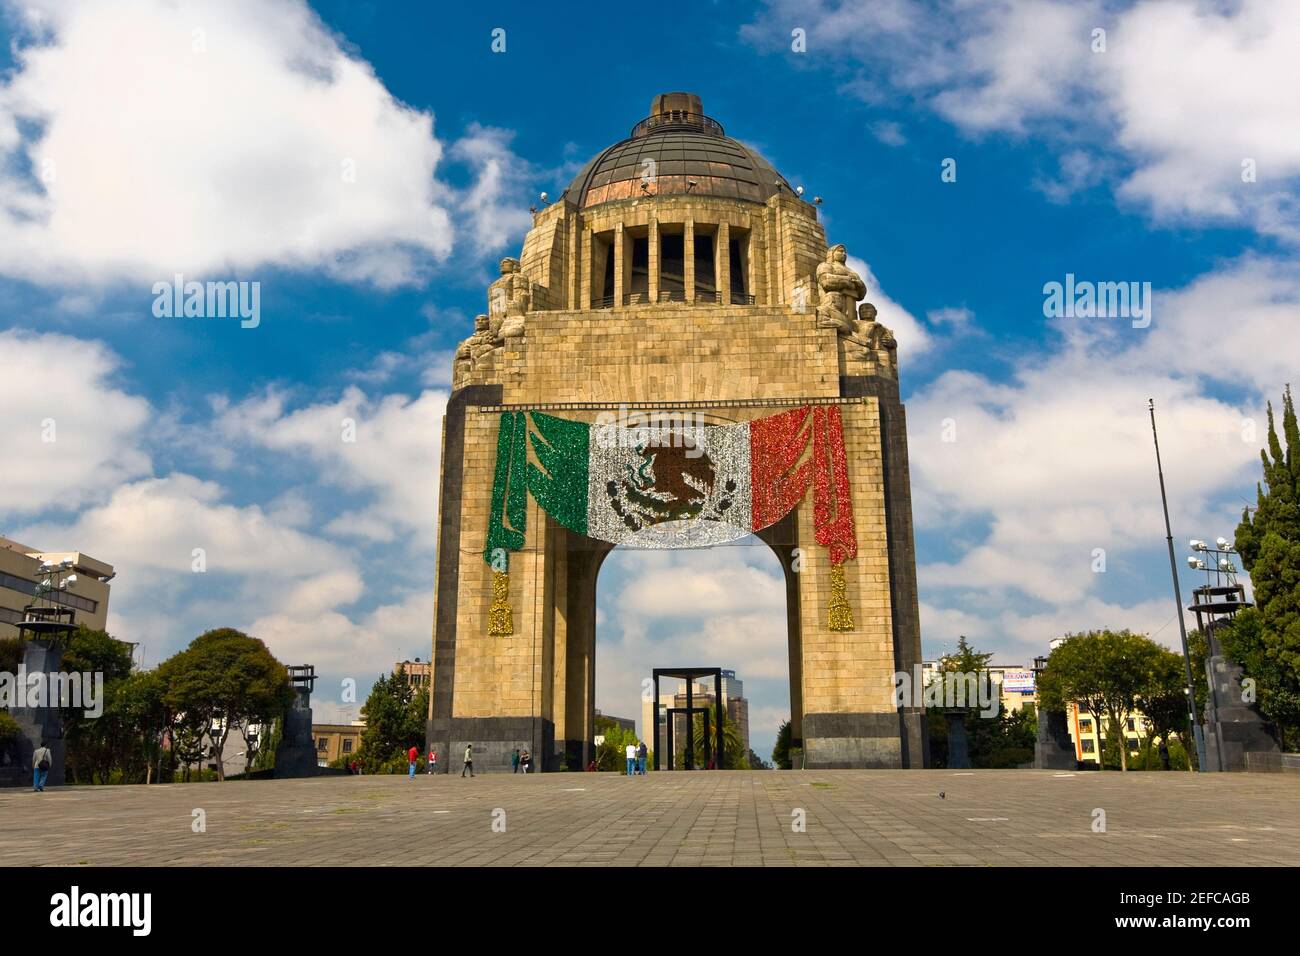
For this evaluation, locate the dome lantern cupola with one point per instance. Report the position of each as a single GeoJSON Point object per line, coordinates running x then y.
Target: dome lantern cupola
{"type": "Point", "coordinates": [684, 152]}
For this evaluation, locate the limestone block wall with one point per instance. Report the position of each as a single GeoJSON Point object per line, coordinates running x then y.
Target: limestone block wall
{"type": "Point", "coordinates": [666, 353]}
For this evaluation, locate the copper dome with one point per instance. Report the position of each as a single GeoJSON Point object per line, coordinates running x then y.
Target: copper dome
{"type": "Point", "coordinates": [676, 150]}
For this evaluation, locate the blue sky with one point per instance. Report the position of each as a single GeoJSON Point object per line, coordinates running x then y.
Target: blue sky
{"type": "Point", "coordinates": [141, 139]}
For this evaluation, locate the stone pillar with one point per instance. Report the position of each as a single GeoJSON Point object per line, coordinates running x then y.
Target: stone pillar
{"type": "Point", "coordinates": [584, 269]}
{"type": "Point", "coordinates": [1054, 750]}
{"type": "Point", "coordinates": [652, 292]}
{"type": "Point", "coordinates": [688, 254]}
{"type": "Point", "coordinates": [296, 754]}
{"type": "Point", "coordinates": [620, 264]}
{"type": "Point", "coordinates": [39, 725]}
{"type": "Point", "coordinates": [1233, 727]}
{"type": "Point", "coordinates": [572, 281]}
{"type": "Point", "coordinates": [722, 262]}
{"type": "Point", "coordinates": [958, 751]}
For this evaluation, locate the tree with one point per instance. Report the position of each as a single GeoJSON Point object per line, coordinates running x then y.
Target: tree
{"type": "Point", "coordinates": [964, 660]}
{"type": "Point", "coordinates": [1163, 700]}
{"type": "Point", "coordinates": [611, 755]}
{"type": "Point", "coordinates": [222, 679]}
{"type": "Point", "coordinates": [781, 750]}
{"type": "Point", "coordinates": [734, 758]}
{"type": "Point", "coordinates": [395, 721]}
{"type": "Point", "coordinates": [1265, 640]}
{"type": "Point", "coordinates": [95, 745]}
{"type": "Point", "coordinates": [1105, 672]}
{"type": "Point", "coordinates": [139, 703]}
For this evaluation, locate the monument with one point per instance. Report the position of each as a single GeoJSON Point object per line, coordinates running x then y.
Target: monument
{"type": "Point", "coordinates": [295, 756]}
{"type": "Point", "coordinates": [676, 359]}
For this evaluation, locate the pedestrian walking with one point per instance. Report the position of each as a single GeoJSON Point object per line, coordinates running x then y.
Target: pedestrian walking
{"type": "Point", "coordinates": [42, 760]}
{"type": "Point", "coordinates": [641, 753]}
{"type": "Point", "coordinates": [413, 755]}
{"type": "Point", "coordinates": [526, 760]}
{"type": "Point", "coordinates": [433, 761]}
{"type": "Point", "coordinates": [514, 761]}
{"type": "Point", "coordinates": [1164, 755]}
{"type": "Point", "coordinates": [631, 759]}
{"type": "Point", "coordinates": [469, 761]}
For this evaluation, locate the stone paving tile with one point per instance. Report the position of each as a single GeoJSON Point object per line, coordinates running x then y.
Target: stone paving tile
{"type": "Point", "coordinates": [855, 818]}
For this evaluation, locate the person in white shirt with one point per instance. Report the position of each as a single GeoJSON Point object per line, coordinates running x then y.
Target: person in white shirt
{"type": "Point", "coordinates": [631, 759]}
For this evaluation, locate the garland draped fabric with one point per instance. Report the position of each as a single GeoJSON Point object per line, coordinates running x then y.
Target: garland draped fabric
{"type": "Point", "coordinates": [675, 485]}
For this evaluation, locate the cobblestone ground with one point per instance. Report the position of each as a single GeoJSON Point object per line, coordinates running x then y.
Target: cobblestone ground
{"type": "Point", "coordinates": [872, 818]}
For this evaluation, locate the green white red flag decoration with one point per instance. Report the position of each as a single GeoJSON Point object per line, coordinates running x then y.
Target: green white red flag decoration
{"type": "Point", "coordinates": [679, 484]}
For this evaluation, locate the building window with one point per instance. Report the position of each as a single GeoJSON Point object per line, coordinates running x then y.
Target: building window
{"type": "Point", "coordinates": [1131, 724]}
{"type": "Point", "coordinates": [347, 746]}
{"type": "Point", "coordinates": [322, 744]}
{"type": "Point", "coordinates": [1087, 746]}
{"type": "Point", "coordinates": [737, 253]}
{"type": "Point", "coordinates": [706, 281]}
{"type": "Point", "coordinates": [1085, 726]}
{"type": "Point", "coordinates": [1133, 744]}
{"type": "Point", "coordinates": [672, 262]}
{"type": "Point", "coordinates": [24, 586]}
{"type": "Point", "coordinates": [639, 275]}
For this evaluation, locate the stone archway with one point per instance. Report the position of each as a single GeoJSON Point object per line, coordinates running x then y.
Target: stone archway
{"type": "Point", "coordinates": [514, 646]}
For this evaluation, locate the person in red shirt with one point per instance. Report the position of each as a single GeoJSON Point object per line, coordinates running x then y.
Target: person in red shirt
{"type": "Point", "coordinates": [412, 755]}
{"type": "Point", "coordinates": [433, 761]}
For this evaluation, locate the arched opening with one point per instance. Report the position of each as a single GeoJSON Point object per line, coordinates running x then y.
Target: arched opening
{"type": "Point", "coordinates": [727, 606]}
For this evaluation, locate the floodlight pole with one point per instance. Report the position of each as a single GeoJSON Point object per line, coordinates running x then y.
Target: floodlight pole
{"type": "Point", "coordinates": [1178, 600]}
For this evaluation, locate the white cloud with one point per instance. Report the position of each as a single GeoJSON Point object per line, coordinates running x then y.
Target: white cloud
{"type": "Point", "coordinates": [496, 204]}
{"type": "Point", "coordinates": [70, 434]}
{"type": "Point", "coordinates": [392, 461]}
{"type": "Point", "coordinates": [1184, 92]}
{"type": "Point", "coordinates": [889, 133]}
{"type": "Point", "coordinates": [208, 137]}
{"type": "Point", "coordinates": [1058, 461]}
{"type": "Point", "coordinates": [912, 335]}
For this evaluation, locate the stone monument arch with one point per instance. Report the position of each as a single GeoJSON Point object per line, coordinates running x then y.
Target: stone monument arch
{"type": "Point", "coordinates": [676, 359]}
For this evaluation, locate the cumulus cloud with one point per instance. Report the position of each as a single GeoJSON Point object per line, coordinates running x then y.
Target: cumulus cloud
{"type": "Point", "coordinates": [190, 556]}
{"type": "Point", "coordinates": [142, 138]}
{"type": "Point", "coordinates": [1054, 468]}
{"type": "Point", "coordinates": [1188, 107]}
{"type": "Point", "coordinates": [913, 337]}
{"type": "Point", "coordinates": [496, 203]}
{"type": "Point", "coordinates": [385, 449]}
{"type": "Point", "coordinates": [71, 433]}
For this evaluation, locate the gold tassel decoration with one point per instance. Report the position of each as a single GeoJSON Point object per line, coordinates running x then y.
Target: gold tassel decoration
{"type": "Point", "coordinates": [501, 622]}
{"type": "Point", "coordinates": [841, 615]}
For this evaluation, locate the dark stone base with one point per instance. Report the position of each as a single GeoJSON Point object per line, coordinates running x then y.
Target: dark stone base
{"type": "Point", "coordinates": [1233, 728]}
{"type": "Point", "coordinates": [1274, 762]}
{"type": "Point", "coordinates": [296, 755]}
{"type": "Point", "coordinates": [38, 724]}
{"type": "Point", "coordinates": [1054, 750]}
{"type": "Point", "coordinates": [958, 751]}
{"type": "Point", "coordinates": [882, 741]}
{"type": "Point", "coordinates": [495, 739]}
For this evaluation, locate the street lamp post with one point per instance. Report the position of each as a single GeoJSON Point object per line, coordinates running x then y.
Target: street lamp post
{"type": "Point", "coordinates": [1178, 600]}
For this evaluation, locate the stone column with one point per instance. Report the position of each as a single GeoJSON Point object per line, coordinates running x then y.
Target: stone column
{"type": "Point", "coordinates": [296, 754]}
{"type": "Point", "coordinates": [688, 255]}
{"type": "Point", "coordinates": [722, 262]}
{"type": "Point", "coordinates": [572, 282]}
{"type": "Point", "coordinates": [620, 262]}
{"type": "Point", "coordinates": [39, 725]}
{"type": "Point", "coordinates": [584, 268]}
{"type": "Point", "coordinates": [652, 291]}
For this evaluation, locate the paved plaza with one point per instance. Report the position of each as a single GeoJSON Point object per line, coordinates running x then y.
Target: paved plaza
{"type": "Point", "coordinates": [728, 818]}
